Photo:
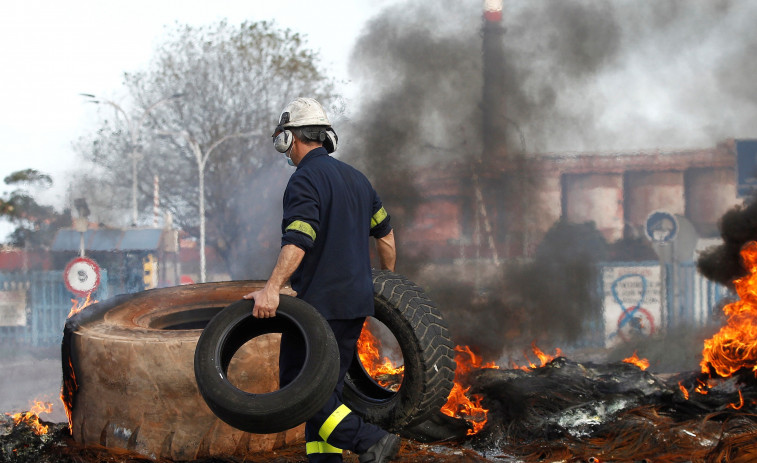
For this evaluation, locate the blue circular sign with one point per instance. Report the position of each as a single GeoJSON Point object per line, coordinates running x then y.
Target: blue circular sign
{"type": "Point", "coordinates": [661, 227]}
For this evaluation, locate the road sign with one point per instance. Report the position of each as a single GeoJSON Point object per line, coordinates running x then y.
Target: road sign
{"type": "Point", "coordinates": [661, 227]}
{"type": "Point", "coordinates": [746, 167]}
{"type": "Point", "coordinates": [82, 276]}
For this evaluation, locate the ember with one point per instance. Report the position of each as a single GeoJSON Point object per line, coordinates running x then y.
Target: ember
{"type": "Point", "coordinates": [734, 347]}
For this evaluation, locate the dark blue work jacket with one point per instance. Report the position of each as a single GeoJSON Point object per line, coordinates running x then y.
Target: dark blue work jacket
{"type": "Point", "coordinates": [330, 211]}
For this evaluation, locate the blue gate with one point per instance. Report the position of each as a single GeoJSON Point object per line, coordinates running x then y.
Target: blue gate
{"type": "Point", "coordinates": [698, 298]}
{"type": "Point", "coordinates": [35, 306]}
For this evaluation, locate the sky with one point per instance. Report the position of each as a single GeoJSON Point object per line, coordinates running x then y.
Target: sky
{"type": "Point", "coordinates": [54, 50]}
{"type": "Point", "coordinates": [582, 75]}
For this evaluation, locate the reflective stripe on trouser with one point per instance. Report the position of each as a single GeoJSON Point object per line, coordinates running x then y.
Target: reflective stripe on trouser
{"type": "Point", "coordinates": [347, 430]}
{"type": "Point", "coordinates": [321, 447]}
{"type": "Point", "coordinates": [333, 421]}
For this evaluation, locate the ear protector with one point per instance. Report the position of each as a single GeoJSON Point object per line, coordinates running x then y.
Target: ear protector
{"type": "Point", "coordinates": [283, 141]}
{"type": "Point", "coordinates": [330, 143]}
{"type": "Point", "coordinates": [282, 138]}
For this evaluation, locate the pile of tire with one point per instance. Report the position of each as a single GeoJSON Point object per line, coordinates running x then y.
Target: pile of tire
{"type": "Point", "coordinates": [402, 306]}
{"type": "Point", "coordinates": [128, 370]}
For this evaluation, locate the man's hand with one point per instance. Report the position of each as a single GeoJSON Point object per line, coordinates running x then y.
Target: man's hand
{"type": "Point", "coordinates": [267, 299]}
{"type": "Point", "coordinates": [266, 302]}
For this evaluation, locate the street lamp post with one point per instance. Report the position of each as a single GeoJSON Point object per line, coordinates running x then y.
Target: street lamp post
{"type": "Point", "coordinates": [133, 127]}
{"type": "Point", "coordinates": [202, 159]}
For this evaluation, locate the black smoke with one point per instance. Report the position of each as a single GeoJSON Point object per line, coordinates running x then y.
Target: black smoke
{"type": "Point", "coordinates": [574, 75]}
{"type": "Point", "coordinates": [723, 263]}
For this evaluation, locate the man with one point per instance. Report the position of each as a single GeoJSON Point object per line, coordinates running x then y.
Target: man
{"type": "Point", "coordinates": [330, 210]}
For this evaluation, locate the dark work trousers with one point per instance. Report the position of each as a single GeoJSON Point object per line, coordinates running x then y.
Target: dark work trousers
{"type": "Point", "coordinates": [351, 432]}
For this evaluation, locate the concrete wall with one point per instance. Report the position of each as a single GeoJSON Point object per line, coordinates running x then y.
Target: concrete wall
{"type": "Point", "coordinates": [646, 192]}
{"type": "Point", "coordinates": [710, 192]}
{"type": "Point", "coordinates": [597, 198]}
{"type": "Point", "coordinates": [615, 191]}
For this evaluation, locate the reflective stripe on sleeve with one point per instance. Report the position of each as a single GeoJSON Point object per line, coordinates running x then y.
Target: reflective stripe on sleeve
{"type": "Point", "coordinates": [302, 227]}
{"type": "Point", "coordinates": [378, 217]}
{"type": "Point", "coordinates": [320, 447]}
{"type": "Point", "coordinates": [333, 421]}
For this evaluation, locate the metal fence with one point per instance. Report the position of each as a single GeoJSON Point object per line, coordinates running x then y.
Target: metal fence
{"type": "Point", "coordinates": [698, 299]}
{"type": "Point", "coordinates": [35, 306]}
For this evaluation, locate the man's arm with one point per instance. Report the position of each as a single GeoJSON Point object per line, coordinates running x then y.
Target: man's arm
{"type": "Point", "coordinates": [386, 251]}
{"type": "Point", "coordinates": [267, 299]}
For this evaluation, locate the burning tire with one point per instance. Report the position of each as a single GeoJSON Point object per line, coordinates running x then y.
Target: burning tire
{"type": "Point", "coordinates": [281, 409]}
{"type": "Point", "coordinates": [428, 356]}
{"type": "Point", "coordinates": [129, 379]}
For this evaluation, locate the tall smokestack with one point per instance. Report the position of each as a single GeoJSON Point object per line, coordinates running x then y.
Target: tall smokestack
{"type": "Point", "coordinates": [493, 97]}
{"type": "Point", "coordinates": [493, 10]}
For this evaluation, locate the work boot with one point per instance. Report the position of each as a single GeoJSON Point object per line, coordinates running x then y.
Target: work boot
{"type": "Point", "coordinates": [382, 451]}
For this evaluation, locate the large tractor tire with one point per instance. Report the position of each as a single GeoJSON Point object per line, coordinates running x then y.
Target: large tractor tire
{"type": "Point", "coordinates": [284, 408]}
{"type": "Point", "coordinates": [128, 373]}
{"type": "Point", "coordinates": [427, 351]}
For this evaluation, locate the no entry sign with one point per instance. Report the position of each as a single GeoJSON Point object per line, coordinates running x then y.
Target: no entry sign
{"type": "Point", "coordinates": [82, 276]}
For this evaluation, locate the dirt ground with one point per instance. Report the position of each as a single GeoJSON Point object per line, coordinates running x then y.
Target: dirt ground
{"type": "Point", "coordinates": [18, 444]}
{"type": "Point", "coordinates": [29, 375]}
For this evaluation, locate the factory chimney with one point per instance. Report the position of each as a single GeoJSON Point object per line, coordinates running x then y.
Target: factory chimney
{"type": "Point", "coordinates": [494, 122]}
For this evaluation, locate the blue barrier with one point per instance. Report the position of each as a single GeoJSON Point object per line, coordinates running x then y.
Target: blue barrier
{"type": "Point", "coordinates": [36, 305]}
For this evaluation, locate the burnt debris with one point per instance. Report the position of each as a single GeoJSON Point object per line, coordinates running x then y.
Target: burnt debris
{"type": "Point", "coordinates": [615, 412]}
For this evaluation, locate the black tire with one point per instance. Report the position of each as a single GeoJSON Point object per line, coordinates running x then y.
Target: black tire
{"type": "Point", "coordinates": [428, 354]}
{"type": "Point", "coordinates": [284, 408]}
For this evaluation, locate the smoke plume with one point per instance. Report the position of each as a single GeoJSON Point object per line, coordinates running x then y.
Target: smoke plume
{"type": "Point", "coordinates": [737, 227]}
{"type": "Point", "coordinates": [576, 75]}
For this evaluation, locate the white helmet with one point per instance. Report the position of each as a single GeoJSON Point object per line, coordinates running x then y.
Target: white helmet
{"type": "Point", "coordinates": [304, 112]}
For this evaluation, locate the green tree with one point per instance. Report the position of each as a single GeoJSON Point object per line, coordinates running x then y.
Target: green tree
{"type": "Point", "coordinates": [233, 82]}
{"type": "Point", "coordinates": [35, 223]}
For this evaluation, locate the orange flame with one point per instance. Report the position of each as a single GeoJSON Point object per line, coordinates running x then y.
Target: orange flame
{"type": "Point", "coordinates": [543, 358]}
{"type": "Point", "coordinates": [381, 369]}
{"type": "Point", "coordinates": [643, 364]}
{"type": "Point", "coordinates": [458, 403]}
{"type": "Point", "coordinates": [77, 306]}
{"type": "Point", "coordinates": [31, 418]}
{"type": "Point", "coordinates": [735, 346]}
{"type": "Point", "coordinates": [69, 386]}
{"type": "Point", "coordinates": [683, 390]}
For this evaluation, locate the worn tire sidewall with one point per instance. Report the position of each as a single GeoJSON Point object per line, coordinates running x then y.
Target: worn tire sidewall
{"type": "Point", "coordinates": [277, 410]}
